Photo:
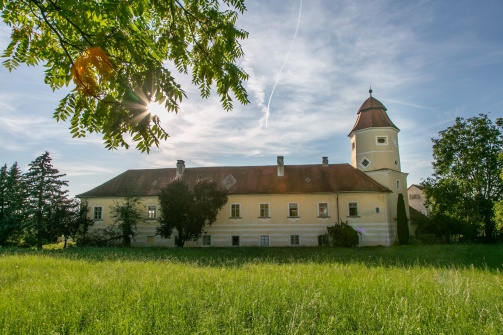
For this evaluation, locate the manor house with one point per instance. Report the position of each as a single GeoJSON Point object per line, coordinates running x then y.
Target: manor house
{"type": "Point", "coordinates": [283, 205]}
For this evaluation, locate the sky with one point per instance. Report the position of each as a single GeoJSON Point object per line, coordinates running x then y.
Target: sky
{"type": "Point", "coordinates": [427, 61]}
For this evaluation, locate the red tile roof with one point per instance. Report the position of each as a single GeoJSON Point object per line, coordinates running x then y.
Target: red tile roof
{"type": "Point", "coordinates": [245, 180]}
{"type": "Point", "coordinates": [372, 114]}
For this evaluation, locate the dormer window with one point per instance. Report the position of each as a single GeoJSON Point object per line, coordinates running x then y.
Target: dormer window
{"type": "Point", "coordinates": [382, 140]}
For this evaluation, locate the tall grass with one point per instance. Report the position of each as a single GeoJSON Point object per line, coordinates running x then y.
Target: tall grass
{"type": "Point", "coordinates": [398, 290]}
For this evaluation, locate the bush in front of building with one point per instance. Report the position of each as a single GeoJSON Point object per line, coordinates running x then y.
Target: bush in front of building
{"type": "Point", "coordinates": [340, 235]}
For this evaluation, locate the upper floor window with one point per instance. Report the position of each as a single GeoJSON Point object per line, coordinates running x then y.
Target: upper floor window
{"type": "Point", "coordinates": [98, 213]}
{"type": "Point", "coordinates": [151, 212]}
{"type": "Point", "coordinates": [235, 210]}
{"type": "Point", "coordinates": [365, 162]}
{"type": "Point", "coordinates": [264, 210]}
{"type": "Point", "coordinates": [323, 209]}
{"type": "Point", "coordinates": [382, 140]}
{"type": "Point", "coordinates": [415, 196]}
{"type": "Point", "coordinates": [353, 146]}
{"type": "Point", "coordinates": [353, 208]}
{"type": "Point", "coordinates": [398, 184]}
{"type": "Point", "coordinates": [293, 209]}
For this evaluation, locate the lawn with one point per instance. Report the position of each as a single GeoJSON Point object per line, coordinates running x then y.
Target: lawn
{"type": "Point", "coordinates": [449, 289]}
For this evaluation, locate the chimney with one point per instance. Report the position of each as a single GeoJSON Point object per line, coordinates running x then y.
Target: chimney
{"type": "Point", "coordinates": [324, 161]}
{"type": "Point", "coordinates": [281, 166]}
{"type": "Point", "coordinates": [180, 167]}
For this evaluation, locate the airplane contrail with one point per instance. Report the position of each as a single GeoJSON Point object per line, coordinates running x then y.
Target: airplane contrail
{"type": "Point", "coordinates": [282, 66]}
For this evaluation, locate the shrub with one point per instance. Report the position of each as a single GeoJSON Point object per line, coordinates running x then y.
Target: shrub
{"type": "Point", "coordinates": [343, 235]}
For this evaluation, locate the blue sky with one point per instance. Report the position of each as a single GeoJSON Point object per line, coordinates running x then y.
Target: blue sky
{"type": "Point", "coordinates": [428, 62]}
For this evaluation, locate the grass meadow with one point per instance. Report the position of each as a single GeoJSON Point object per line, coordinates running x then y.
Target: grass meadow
{"type": "Point", "coordinates": [441, 289]}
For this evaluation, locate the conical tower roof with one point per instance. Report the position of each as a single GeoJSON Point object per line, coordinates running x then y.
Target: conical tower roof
{"type": "Point", "coordinates": [372, 114]}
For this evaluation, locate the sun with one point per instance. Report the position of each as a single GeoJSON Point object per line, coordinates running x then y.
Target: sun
{"type": "Point", "coordinates": [155, 108]}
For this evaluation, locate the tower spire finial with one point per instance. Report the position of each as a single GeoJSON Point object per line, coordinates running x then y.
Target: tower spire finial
{"type": "Point", "coordinates": [370, 91]}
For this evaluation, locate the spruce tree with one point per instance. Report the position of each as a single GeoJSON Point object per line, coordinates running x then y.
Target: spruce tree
{"type": "Point", "coordinates": [12, 199]}
{"type": "Point", "coordinates": [44, 187]}
{"type": "Point", "coordinates": [402, 221]}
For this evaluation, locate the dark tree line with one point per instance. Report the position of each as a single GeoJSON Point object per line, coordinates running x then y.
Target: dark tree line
{"type": "Point", "coordinates": [35, 208]}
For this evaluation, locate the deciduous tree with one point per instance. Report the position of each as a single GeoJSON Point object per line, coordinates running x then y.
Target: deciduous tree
{"type": "Point", "coordinates": [189, 211]}
{"type": "Point", "coordinates": [121, 55]}
{"type": "Point", "coordinates": [126, 214]}
{"type": "Point", "coordinates": [467, 165]}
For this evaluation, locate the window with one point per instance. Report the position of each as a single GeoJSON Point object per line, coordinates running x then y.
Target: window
{"type": "Point", "coordinates": [378, 210]}
{"type": "Point", "coordinates": [365, 162]}
{"type": "Point", "coordinates": [98, 213]}
{"type": "Point", "coordinates": [235, 241]}
{"type": "Point", "coordinates": [264, 210]}
{"type": "Point", "coordinates": [398, 184]}
{"type": "Point", "coordinates": [353, 146]}
{"type": "Point", "coordinates": [382, 140]}
{"type": "Point", "coordinates": [294, 240]}
{"type": "Point", "coordinates": [264, 240]}
{"type": "Point", "coordinates": [293, 209]}
{"type": "Point", "coordinates": [323, 210]}
{"type": "Point", "coordinates": [207, 240]}
{"type": "Point", "coordinates": [235, 211]}
{"type": "Point", "coordinates": [150, 242]}
{"type": "Point", "coordinates": [414, 196]}
{"type": "Point", "coordinates": [151, 212]}
{"type": "Point", "coordinates": [353, 209]}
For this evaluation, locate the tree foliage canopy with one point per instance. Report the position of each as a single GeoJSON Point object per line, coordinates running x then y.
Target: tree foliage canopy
{"type": "Point", "coordinates": [402, 221]}
{"type": "Point", "coordinates": [116, 53]}
{"type": "Point", "coordinates": [45, 194]}
{"type": "Point", "coordinates": [126, 214]}
{"type": "Point", "coordinates": [467, 164]}
{"type": "Point", "coordinates": [188, 211]}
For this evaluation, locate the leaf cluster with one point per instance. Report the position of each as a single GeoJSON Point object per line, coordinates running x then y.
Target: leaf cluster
{"type": "Point", "coordinates": [139, 38]}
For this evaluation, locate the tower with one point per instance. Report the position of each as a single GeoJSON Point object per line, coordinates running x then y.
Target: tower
{"type": "Point", "coordinates": [374, 139]}
{"type": "Point", "coordinates": [375, 151]}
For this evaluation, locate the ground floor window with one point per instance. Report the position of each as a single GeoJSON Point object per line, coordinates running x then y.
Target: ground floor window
{"type": "Point", "coordinates": [207, 240]}
{"type": "Point", "coordinates": [264, 240]}
{"type": "Point", "coordinates": [150, 242]}
{"type": "Point", "coordinates": [294, 240]}
{"type": "Point", "coordinates": [235, 241]}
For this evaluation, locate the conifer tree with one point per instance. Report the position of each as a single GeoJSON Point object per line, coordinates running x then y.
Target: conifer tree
{"type": "Point", "coordinates": [12, 199]}
{"type": "Point", "coordinates": [45, 193]}
{"type": "Point", "coordinates": [402, 221]}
